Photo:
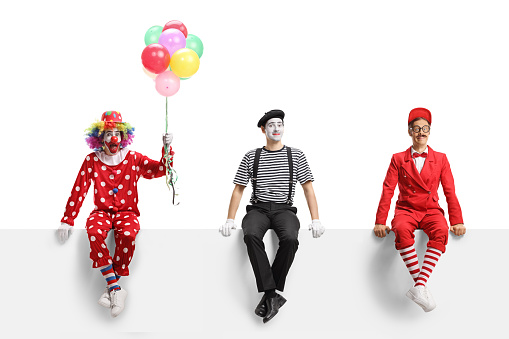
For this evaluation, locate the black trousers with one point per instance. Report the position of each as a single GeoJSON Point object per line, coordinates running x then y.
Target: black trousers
{"type": "Point", "coordinates": [283, 220]}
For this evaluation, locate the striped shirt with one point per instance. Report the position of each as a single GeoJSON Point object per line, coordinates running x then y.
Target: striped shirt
{"type": "Point", "coordinates": [274, 174]}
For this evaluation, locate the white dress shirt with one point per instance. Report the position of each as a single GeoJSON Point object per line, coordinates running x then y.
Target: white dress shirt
{"type": "Point", "coordinates": [419, 161]}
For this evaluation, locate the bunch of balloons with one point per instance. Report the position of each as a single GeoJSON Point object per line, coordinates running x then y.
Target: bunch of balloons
{"type": "Point", "coordinates": [170, 55]}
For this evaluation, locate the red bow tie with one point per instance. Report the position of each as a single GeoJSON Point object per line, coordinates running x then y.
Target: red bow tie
{"type": "Point", "coordinates": [423, 154]}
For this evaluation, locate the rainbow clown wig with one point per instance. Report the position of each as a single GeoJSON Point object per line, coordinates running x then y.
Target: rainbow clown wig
{"type": "Point", "coordinates": [109, 120]}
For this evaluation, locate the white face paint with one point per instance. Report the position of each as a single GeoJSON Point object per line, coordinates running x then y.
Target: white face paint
{"type": "Point", "coordinates": [112, 139]}
{"type": "Point", "coordinates": [274, 129]}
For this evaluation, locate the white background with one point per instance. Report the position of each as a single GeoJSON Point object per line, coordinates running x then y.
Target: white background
{"type": "Point", "coordinates": [346, 74]}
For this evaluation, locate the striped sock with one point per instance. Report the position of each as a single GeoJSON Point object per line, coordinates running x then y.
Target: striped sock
{"type": "Point", "coordinates": [430, 260]}
{"type": "Point", "coordinates": [110, 277]}
{"type": "Point", "coordinates": [409, 256]}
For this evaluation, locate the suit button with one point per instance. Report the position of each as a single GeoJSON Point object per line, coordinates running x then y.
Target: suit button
{"type": "Point", "coordinates": [429, 192]}
{"type": "Point", "coordinates": [414, 191]}
{"type": "Point", "coordinates": [409, 185]}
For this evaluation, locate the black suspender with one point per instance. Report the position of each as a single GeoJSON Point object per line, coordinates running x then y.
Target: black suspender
{"type": "Point", "coordinates": [255, 173]}
{"type": "Point", "coordinates": [290, 166]}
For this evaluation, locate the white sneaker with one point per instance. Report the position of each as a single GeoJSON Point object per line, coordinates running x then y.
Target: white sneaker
{"type": "Point", "coordinates": [419, 295]}
{"type": "Point", "coordinates": [104, 300]}
{"type": "Point", "coordinates": [432, 303]}
{"type": "Point", "coordinates": [117, 298]}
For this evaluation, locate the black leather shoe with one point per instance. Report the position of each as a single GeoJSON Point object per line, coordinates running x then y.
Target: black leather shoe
{"type": "Point", "coordinates": [261, 308]}
{"type": "Point", "coordinates": [273, 305]}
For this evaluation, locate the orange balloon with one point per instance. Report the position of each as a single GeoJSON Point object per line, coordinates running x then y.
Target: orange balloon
{"type": "Point", "coordinates": [185, 63]}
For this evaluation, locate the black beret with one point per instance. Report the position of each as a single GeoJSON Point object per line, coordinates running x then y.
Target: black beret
{"type": "Point", "coordinates": [275, 113]}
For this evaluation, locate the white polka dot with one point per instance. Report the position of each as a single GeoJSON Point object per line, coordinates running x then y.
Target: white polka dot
{"type": "Point", "coordinates": [117, 258]}
{"type": "Point", "coordinates": [103, 168]}
{"type": "Point", "coordinates": [125, 162]}
{"type": "Point", "coordinates": [103, 184]}
{"type": "Point", "coordinates": [135, 183]}
{"type": "Point", "coordinates": [129, 192]}
{"type": "Point", "coordinates": [108, 222]}
{"type": "Point", "coordinates": [95, 159]}
{"type": "Point", "coordinates": [103, 200]}
{"type": "Point", "coordinates": [103, 245]}
{"type": "Point", "coordinates": [123, 266]}
{"type": "Point", "coordinates": [85, 183]}
{"type": "Point", "coordinates": [84, 195]}
{"type": "Point", "coordinates": [134, 168]}
{"type": "Point", "coordinates": [99, 230]}
{"type": "Point", "coordinates": [153, 176]}
{"type": "Point", "coordinates": [89, 170]}
{"type": "Point", "coordinates": [136, 221]}
{"type": "Point", "coordinates": [110, 192]}
{"type": "Point", "coordinates": [129, 208]}
{"type": "Point", "coordinates": [71, 203]}
{"type": "Point", "coordinates": [95, 207]}
{"type": "Point", "coordinates": [118, 222]}
{"type": "Point", "coordinates": [77, 188]}
{"type": "Point", "coordinates": [92, 218]}
{"type": "Point", "coordinates": [65, 218]}
{"type": "Point", "coordinates": [120, 240]}
{"type": "Point", "coordinates": [137, 168]}
{"type": "Point", "coordinates": [91, 227]}
{"type": "Point", "coordinates": [126, 216]}
{"type": "Point", "coordinates": [109, 261]}
{"type": "Point", "coordinates": [92, 238]}
{"type": "Point", "coordinates": [100, 255]}
{"type": "Point", "coordinates": [80, 198]}
{"type": "Point", "coordinates": [122, 201]}
{"type": "Point", "coordinates": [120, 186]}
{"type": "Point", "coordinates": [135, 157]}
{"type": "Point", "coordinates": [145, 162]}
{"type": "Point", "coordinates": [125, 249]}
{"type": "Point", "coordinates": [149, 171]}
{"type": "Point", "coordinates": [132, 152]}
{"type": "Point", "coordinates": [88, 158]}
{"type": "Point", "coordinates": [101, 215]}
{"type": "Point", "coordinates": [127, 177]}
{"type": "Point", "coordinates": [127, 232]}
{"type": "Point", "coordinates": [95, 264]}
{"type": "Point", "coordinates": [132, 243]}
{"type": "Point", "coordinates": [127, 223]}
{"type": "Point", "coordinates": [73, 214]}
{"type": "Point", "coordinates": [129, 258]}
{"type": "Point", "coordinates": [161, 168]}
{"type": "Point", "coordinates": [90, 250]}
{"type": "Point", "coordinates": [110, 207]}
{"type": "Point", "coordinates": [95, 191]}
{"type": "Point", "coordinates": [95, 174]}
{"type": "Point", "coordinates": [82, 172]}
{"type": "Point", "coordinates": [99, 223]}
{"type": "Point", "coordinates": [119, 171]}
{"type": "Point", "coordinates": [134, 199]}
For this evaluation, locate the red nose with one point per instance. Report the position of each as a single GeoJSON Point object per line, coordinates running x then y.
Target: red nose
{"type": "Point", "coordinates": [114, 139]}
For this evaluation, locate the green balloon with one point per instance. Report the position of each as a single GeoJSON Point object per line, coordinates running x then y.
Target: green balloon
{"type": "Point", "coordinates": [194, 43]}
{"type": "Point", "coordinates": [152, 35]}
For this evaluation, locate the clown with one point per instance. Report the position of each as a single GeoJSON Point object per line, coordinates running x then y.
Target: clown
{"type": "Point", "coordinates": [418, 171]}
{"type": "Point", "coordinates": [114, 170]}
{"type": "Point", "coordinates": [274, 171]}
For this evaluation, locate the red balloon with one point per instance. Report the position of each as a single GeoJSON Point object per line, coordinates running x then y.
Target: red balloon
{"type": "Point", "coordinates": [177, 25]}
{"type": "Point", "coordinates": [155, 58]}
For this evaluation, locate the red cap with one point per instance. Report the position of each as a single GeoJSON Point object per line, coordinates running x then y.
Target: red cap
{"type": "Point", "coordinates": [419, 113]}
{"type": "Point", "coordinates": [111, 116]}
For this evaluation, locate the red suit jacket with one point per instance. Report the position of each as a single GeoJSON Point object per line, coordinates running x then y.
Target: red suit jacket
{"type": "Point", "coordinates": [418, 192]}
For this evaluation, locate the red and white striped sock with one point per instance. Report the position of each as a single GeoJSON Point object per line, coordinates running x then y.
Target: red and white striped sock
{"type": "Point", "coordinates": [430, 260]}
{"type": "Point", "coordinates": [409, 256]}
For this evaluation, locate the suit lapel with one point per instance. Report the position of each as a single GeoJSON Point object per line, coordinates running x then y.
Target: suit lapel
{"type": "Point", "coordinates": [429, 167]}
{"type": "Point", "coordinates": [409, 166]}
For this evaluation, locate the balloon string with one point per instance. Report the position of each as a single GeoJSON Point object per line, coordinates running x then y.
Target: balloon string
{"type": "Point", "coordinates": [170, 172]}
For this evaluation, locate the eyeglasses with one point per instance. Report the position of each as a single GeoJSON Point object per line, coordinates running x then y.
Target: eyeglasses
{"type": "Point", "coordinates": [417, 129]}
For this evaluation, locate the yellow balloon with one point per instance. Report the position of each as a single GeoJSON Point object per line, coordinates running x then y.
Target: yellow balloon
{"type": "Point", "coordinates": [184, 62]}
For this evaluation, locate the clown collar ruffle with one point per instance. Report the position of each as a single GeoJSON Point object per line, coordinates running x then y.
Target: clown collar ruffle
{"type": "Point", "coordinates": [112, 160]}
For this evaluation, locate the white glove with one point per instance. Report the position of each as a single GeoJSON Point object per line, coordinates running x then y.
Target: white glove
{"type": "Point", "coordinates": [64, 232]}
{"type": "Point", "coordinates": [226, 229]}
{"type": "Point", "coordinates": [317, 228]}
{"type": "Point", "coordinates": [167, 139]}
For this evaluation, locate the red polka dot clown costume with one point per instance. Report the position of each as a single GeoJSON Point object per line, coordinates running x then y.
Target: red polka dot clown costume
{"type": "Point", "coordinates": [114, 171]}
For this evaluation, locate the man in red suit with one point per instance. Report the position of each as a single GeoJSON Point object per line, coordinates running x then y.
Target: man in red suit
{"type": "Point", "coordinates": [418, 172]}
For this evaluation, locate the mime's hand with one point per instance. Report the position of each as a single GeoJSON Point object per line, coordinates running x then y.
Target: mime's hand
{"type": "Point", "coordinates": [226, 229]}
{"type": "Point", "coordinates": [380, 230]}
{"type": "Point", "coordinates": [64, 232]}
{"type": "Point", "coordinates": [458, 229]}
{"type": "Point", "coordinates": [317, 228]}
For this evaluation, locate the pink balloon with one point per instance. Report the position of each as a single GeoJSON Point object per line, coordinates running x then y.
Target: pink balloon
{"type": "Point", "coordinates": [167, 83]}
{"type": "Point", "coordinates": [173, 40]}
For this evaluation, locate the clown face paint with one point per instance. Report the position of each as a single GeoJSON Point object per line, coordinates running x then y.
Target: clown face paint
{"type": "Point", "coordinates": [112, 139]}
{"type": "Point", "coordinates": [274, 129]}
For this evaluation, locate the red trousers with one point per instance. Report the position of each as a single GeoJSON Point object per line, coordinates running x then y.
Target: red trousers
{"type": "Point", "coordinates": [433, 224]}
{"type": "Point", "coordinates": [125, 225]}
